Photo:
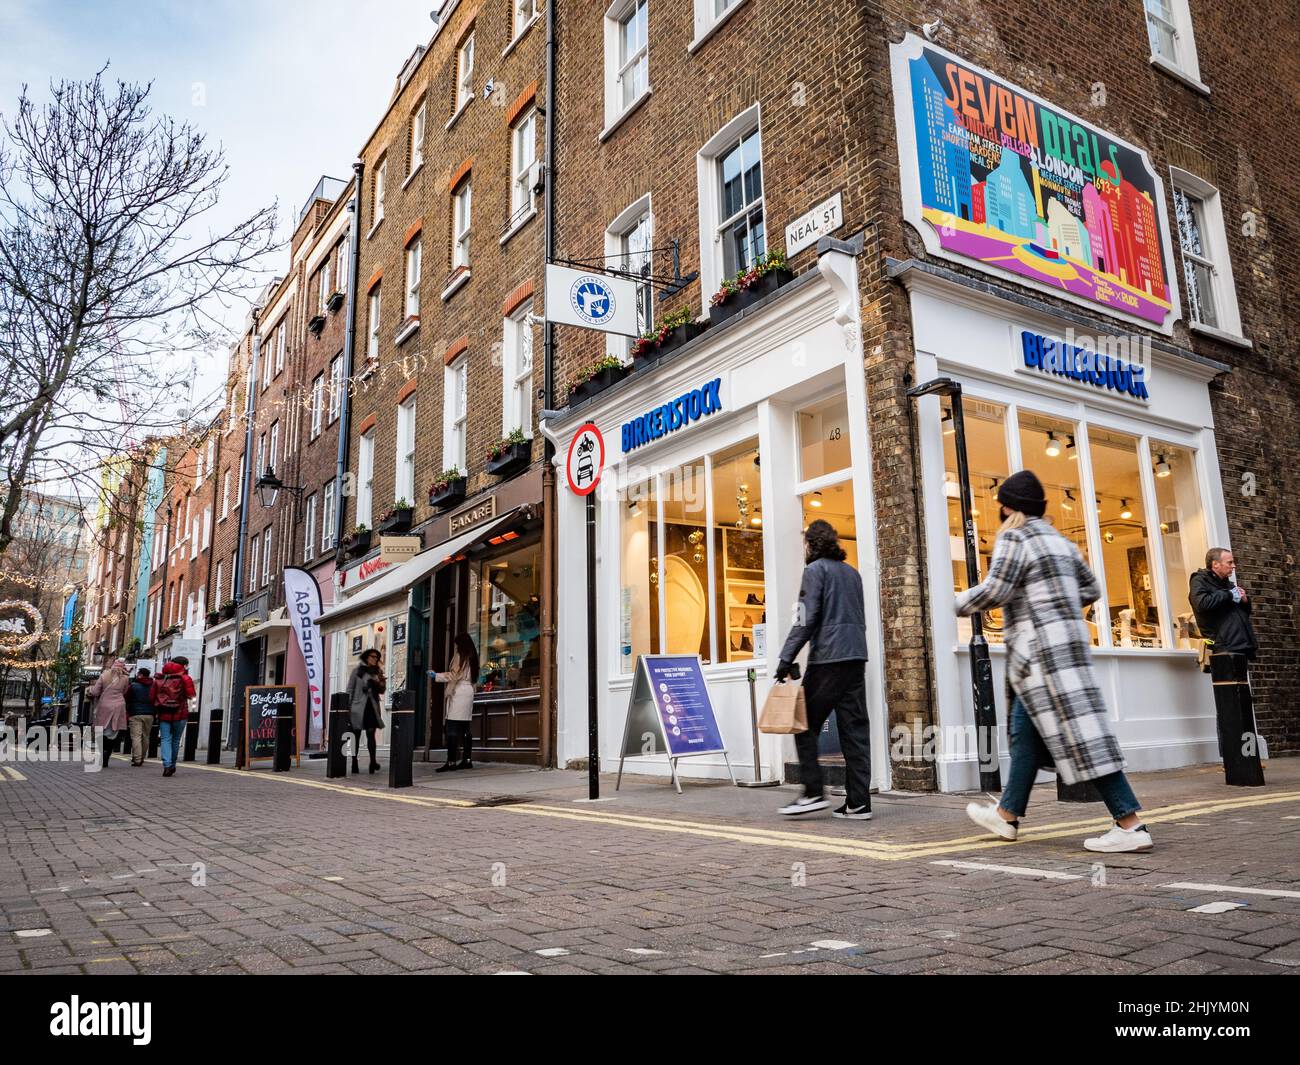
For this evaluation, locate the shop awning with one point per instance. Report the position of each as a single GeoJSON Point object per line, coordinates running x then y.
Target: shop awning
{"type": "Point", "coordinates": [278, 619]}
{"type": "Point", "coordinates": [395, 584]}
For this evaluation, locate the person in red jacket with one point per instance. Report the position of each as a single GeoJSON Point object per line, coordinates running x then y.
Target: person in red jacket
{"type": "Point", "coordinates": [172, 691]}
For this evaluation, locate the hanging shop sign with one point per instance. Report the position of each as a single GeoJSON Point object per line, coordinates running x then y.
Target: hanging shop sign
{"type": "Point", "coordinates": [591, 300]}
{"type": "Point", "coordinates": [1110, 373]}
{"type": "Point", "coordinates": [673, 415]}
{"type": "Point", "coordinates": [464, 520]}
{"type": "Point", "coordinates": [997, 177]}
{"type": "Point", "coordinates": [809, 228]}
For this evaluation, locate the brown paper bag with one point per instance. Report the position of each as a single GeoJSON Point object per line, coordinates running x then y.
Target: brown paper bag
{"type": "Point", "coordinates": [784, 712]}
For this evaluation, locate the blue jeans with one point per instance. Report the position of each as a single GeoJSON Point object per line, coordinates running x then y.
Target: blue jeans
{"type": "Point", "coordinates": [1029, 754]}
{"type": "Point", "coordinates": [171, 733]}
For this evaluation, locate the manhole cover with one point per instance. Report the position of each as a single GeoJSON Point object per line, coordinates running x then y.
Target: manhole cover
{"type": "Point", "coordinates": [501, 800]}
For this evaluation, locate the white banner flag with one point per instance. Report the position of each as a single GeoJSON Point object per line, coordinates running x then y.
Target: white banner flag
{"type": "Point", "coordinates": [591, 300]}
{"type": "Point", "coordinates": [302, 598]}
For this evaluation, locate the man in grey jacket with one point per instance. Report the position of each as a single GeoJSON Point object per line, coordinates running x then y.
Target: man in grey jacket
{"type": "Point", "coordinates": [832, 619]}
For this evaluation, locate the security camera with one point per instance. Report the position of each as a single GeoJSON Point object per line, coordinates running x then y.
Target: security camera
{"type": "Point", "coordinates": [489, 89]}
{"type": "Point", "coordinates": [931, 29]}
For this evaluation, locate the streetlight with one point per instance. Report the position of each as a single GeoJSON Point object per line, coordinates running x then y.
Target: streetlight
{"type": "Point", "coordinates": [269, 486]}
{"type": "Point", "coordinates": [981, 667]}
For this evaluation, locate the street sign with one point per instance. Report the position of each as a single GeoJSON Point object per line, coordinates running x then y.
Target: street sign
{"type": "Point", "coordinates": [586, 459]}
{"type": "Point", "coordinates": [809, 228]}
{"type": "Point", "coordinates": [591, 300]}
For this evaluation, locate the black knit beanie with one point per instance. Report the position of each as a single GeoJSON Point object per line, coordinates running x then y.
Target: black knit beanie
{"type": "Point", "coordinates": [1023, 492]}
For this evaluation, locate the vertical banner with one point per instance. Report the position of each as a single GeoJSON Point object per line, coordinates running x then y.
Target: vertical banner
{"type": "Point", "coordinates": [302, 600]}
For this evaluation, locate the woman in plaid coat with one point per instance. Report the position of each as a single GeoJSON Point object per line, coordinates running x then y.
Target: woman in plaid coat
{"type": "Point", "coordinates": [1058, 716]}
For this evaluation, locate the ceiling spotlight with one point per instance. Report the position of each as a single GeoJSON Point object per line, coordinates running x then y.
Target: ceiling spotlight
{"type": "Point", "coordinates": [1125, 512]}
{"type": "Point", "coordinates": [1068, 502]}
{"type": "Point", "coordinates": [1108, 536]}
{"type": "Point", "coordinates": [816, 500]}
{"type": "Point", "coordinates": [1162, 467]}
{"type": "Point", "coordinates": [755, 520]}
{"type": "Point", "coordinates": [1053, 447]}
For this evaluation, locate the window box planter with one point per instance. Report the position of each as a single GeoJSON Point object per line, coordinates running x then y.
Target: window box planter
{"type": "Point", "coordinates": [762, 279]}
{"type": "Point", "coordinates": [357, 544]}
{"type": "Point", "coordinates": [510, 460]}
{"type": "Point", "coordinates": [597, 383]}
{"type": "Point", "coordinates": [213, 617]}
{"type": "Point", "coordinates": [228, 610]}
{"type": "Point", "coordinates": [335, 300]}
{"type": "Point", "coordinates": [679, 335]}
{"type": "Point", "coordinates": [397, 520]}
{"type": "Point", "coordinates": [447, 493]}
{"type": "Point", "coordinates": [316, 323]}
{"type": "Point", "coordinates": [764, 286]}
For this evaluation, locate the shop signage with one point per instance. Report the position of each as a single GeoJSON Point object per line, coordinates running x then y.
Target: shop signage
{"type": "Point", "coordinates": [397, 549]}
{"type": "Point", "coordinates": [224, 643]}
{"type": "Point", "coordinates": [809, 228]}
{"type": "Point", "coordinates": [998, 177]}
{"type": "Point", "coordinates": [1107, 372]}
{"type": "Point", "coordinates": [591, 300]}
{"type": "Point", "coordinates": [302, 598]}
{"type": "Point", "coordinates": [262, 705]}
{"type": "Point", "coordinates": [586, 459]}
{"type": "Point", "coordinates": [471, 516]}
{"type": "Point", "coordinates": [671, 705]}
{"type": "Point", "coordinates": [673, 415]}
{"type": "Point", "coordinates": [362, 573]}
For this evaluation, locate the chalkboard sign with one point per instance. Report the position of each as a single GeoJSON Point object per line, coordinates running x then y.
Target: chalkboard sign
{"type": "Point", "coordinates": [262, 705]}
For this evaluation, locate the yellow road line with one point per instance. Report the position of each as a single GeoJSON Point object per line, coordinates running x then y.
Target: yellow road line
{"type": "Point", "coordinates": [13, 773]}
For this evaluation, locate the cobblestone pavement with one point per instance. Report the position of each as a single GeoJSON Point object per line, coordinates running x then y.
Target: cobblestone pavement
{"type": "Point", "coordinates": [217, 871]}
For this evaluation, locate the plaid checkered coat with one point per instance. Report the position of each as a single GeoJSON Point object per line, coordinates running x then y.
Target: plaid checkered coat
{"type": "Point", "coordinates": [1042, 583]}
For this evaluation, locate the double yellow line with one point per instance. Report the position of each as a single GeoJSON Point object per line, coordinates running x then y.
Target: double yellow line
{"type": "Point", "coordinates": [790, 840]}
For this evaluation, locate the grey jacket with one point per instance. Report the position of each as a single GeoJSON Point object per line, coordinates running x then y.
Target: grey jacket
{"type": "Point", "coordinates": [830, 615]}
{"type": "Point", "coordinates": [361, 687]}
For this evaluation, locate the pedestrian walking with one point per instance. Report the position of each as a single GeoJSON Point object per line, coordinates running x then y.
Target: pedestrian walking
{"type": "Point", "coordinates": [458, 711]}
{"type": "Point", "coordinates": [1222, 608]}
{"type": "Point", "coordinates": [832, 620]}
{"type": "Point", "coordinates": [172, 692]}
{"type": "Point", "coordinates": [139, 714]}
{"type": "Point", "coordinates": [109, 693]}
{"type": "Point", "coordinates": [1058, 716]}
{"type": "Point", "coordinates": [365, 687]}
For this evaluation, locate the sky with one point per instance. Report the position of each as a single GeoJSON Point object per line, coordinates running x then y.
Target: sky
{"type": "Point", "coordinates": [291, 89]}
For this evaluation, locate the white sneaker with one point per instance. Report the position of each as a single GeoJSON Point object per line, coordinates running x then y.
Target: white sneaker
{"type": "Point", "coordinates": [805, 804]}
{"type": "Point", "coordinates": [987, 817]}
{"type": "Point", "coordinates": [855, 813]}
{"type": "Point", "coordinates": [1121, 840]}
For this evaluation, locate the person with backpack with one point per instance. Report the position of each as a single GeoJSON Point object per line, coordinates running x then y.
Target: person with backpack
{"type": "Point", "coordinates": [139, 714]}
{"type": "Point", "coordinates": [172, 692]}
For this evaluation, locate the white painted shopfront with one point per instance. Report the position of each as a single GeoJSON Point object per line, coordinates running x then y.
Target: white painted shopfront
{"type": "Point", "coordinates": [700, 530]}
{"type": "Point", "coordinates": [1133, 481]}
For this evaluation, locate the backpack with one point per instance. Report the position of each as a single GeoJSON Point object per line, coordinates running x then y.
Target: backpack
{"type": "Point", "coordinates": [169, 694]}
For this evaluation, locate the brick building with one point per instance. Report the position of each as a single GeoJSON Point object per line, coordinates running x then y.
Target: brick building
{"type": "Point", "coordinates": [999, 191]}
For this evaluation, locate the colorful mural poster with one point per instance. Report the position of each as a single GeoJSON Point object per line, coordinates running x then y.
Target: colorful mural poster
{"type": "Point", "coordinates": [995, 176]}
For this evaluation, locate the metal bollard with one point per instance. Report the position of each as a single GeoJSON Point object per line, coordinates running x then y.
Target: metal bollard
{"type": "Point", "coordinates": [214, 736]}
{"type": "Point", "coordinates": [191, 737]}
{"type": "Point", "coordinates": [155, 738]}
{"type": "Point", "coordinates": [286, 721]}
{"type": "Point", "coordinates": [401, 741]}
{"type": "Point", "coordinates": [1234, 710]}
{"type": "Point", "coordinates": [338, 723]}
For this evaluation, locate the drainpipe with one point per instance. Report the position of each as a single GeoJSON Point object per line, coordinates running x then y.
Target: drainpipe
{"type": "Point", "coordinates": [349, 338]}
{"type": "Point", "coordinates": [546, 751]}
{"type": "Point", "coordinates": [245, 501]}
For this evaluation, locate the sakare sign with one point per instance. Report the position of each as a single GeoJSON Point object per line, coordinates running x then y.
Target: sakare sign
{"type": "Point", "coordinates": [673, 415]}
{"type": "Point", "coordinates": [996, 177]}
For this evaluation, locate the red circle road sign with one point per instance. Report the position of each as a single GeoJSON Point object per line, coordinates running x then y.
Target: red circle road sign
{"type": "Point", "coordinates": [586, 459]}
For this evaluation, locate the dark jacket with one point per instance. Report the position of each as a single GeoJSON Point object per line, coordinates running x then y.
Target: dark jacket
{"type": "Point", "coordinates": [1219, 617]}
{"type": "Point", "coordinates": [139, 697]}
{"type": "Point", "coordinates": [831, 613]}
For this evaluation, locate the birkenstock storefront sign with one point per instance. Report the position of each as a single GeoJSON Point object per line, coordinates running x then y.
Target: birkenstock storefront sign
{"type": "Point", "coordinates": [673, 415]}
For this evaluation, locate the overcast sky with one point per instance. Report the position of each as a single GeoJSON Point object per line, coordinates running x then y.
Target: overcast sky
{"type": "Point", "coordinates": [290, 88]}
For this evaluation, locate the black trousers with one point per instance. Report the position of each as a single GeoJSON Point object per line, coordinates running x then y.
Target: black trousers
{"type": "Point", "coordinates": [839, 687]}
{"type": "Point", "coordinates": [460, 738]}
{"type": "Point", "coordinates": [356, 743]}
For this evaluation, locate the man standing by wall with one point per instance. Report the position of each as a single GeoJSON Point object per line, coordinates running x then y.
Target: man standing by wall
{"type": "Point", "coordinates": [1222, 608]}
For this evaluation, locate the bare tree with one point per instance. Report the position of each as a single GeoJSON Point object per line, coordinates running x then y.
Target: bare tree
{"type": "Point", "coordinates": [107, 264]}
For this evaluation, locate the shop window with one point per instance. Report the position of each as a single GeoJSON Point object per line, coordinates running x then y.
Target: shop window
{"type": "Point", "coordinates": [1132, 609]}
{"type": "Point", "coordinates": [824, 438]}
{"type": "Point", "coordinates": [986, 451]}
{"type": "Point", "coordinates": [738, 525]}
{"type": "Point", "coordinates": [639, 595]}
{"type": "Point", "coordinates": [684, 574]}
{"type": "Point", "coordinates": [505, 603]}
{"type": "Point", "coordinates": [834, 504]}
{"type": "Point", "coordinates": [1181, 521]}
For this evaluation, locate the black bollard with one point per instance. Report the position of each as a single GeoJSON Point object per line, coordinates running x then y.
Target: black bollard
{"type": "Point", "coordinates": [1234, 709]}
{"type": "Point", "coordinates": [401, 739]}
{"type": "Point", "coordinates": [286, 723]}
{"type": "Point", "coordinates": [338, 723]}
{"type": "Point", "coordinates": [1084, 791]}
{"type": "Point", "coordinates": [191, 737]}
{"type": "Point", "coordinates": [214, 736]}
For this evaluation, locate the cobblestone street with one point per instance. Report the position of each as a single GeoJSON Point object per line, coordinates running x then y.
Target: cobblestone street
{"type": "Point", "coordinates": [217, 871]}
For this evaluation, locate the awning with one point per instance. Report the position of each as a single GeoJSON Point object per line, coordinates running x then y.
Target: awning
{"type": "Point", "coordinates": [390, 590]}
{"type": "Point", "coordinates": [279, 619]}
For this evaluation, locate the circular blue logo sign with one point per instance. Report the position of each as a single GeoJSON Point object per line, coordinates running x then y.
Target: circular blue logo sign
{"type": "Point", "coordinates": [592, 299]}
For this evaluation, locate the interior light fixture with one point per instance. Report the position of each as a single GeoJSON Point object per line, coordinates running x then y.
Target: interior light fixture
{"type": "Point", "coordinates": [1069, 446]}
{"type": "Point", "coordinates": [1068, 502]}
{"type": "Point", "coordinates": [816, 500]}
{"type": "Point", "coordinates": [1053, 447]}
{"type": "Point", "coordinates": [1162, 467]}
{"type": "Point", "coordinates": [1125, 512]}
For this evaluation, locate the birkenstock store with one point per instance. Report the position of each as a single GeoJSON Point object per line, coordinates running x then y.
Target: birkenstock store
{"type": "Point", "coordinates": [717, 457]}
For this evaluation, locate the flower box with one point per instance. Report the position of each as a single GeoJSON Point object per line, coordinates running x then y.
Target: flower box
{"type": "Point", "coordinates": [335, 300]}
{"type": "Point", "coordinates": [448, 493]}
{"type": "Point", "coordinates": [397, 520]}
{"type": "Point", "coordinates": [357, 544]}
{"type": "Point", "coordinates": [228, 610]}
{"type": "Point", "coordinates": [679, 335]}
{"type": "Point", "coordinates": [749, 286]}
{"type": "Point", "coordinates": [764, 286]}
{"type": "Point", "coordinates": [597, 383]}
{"type": "Point", "coordinates": [316, 323]}
{"type": "Point", "coordinates": [511, 458]}
{"type": "Point", "coordinates": [213, 617]}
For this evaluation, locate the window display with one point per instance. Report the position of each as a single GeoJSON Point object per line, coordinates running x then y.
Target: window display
{"type": "Point", "coordinates": [505, 605]}
{"type": "Point", "coordinates": [824, 438]}
{"type": "Point", "coordinates": [986, 450]}
{"type": "Point", "coordinates": [685, 572]}
{"type": "Point", "coordinates": [1182, 530]}
{"type": "Point", "coordinates": [639, 601]}
{"type": "Point", "coordinates": [738, 529]}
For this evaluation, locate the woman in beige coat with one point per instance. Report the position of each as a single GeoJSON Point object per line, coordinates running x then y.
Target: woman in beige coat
{"type": "Point", "coordinates": [109, 693]}
{"type": "Point", "coordinates": [458, 710]}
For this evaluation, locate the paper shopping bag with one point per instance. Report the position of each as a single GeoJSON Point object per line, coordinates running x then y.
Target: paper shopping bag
{"type": "Point", "coordinates": [784, 712]}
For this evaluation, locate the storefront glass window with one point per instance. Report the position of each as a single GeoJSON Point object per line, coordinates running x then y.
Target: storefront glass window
{"type": "Point", "coordinates": [639, 599]}
{"type": "Point", "coordinates": [1132, 609]}
{"type": "Point", "coordinates": [685, 571]}
{"type": "Point", "coordinates": [505, 603]}
{"type": "Point", "coordinates": [835, 505]}
{"type": "Point", "coordinates": [738, 546]}
{"type": "Point", "coordinates": [824, 438]}
{"type": "Point", "coordinates": [1182, 529]}
{"type": "Point", "coordinates": [986, 450]}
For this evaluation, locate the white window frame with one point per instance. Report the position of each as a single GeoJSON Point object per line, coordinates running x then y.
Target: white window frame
{"type": "Point", "coordinates": [243, 476]}
{"type": "Point", "coordinates": [260, 466]}
{"type": "Point", "coordinates": [264, 351]}
{"type": "Point", "coordinates": [366, 479]}
{"type": "Point", "coordinates": [462, 211]}
{"type": "Point", "coordinates": [414, 255]}
{"type": "Point", "coordinates": [626, 223]}
{"type": "Point", "coordinates": [523, 154]}
{"type": "Point", "coordinates": [267, 538]}
{"type": "Point", "coordinates": [709, 18]}
{"type": "Point", "coordinates": [317, 403]}
{"type": "Point", "coordinates": [616, 66]}
{"type": "Point", "coordinates": [517, 385]}
{"type": "Point", "coordinates": [309, 534]}
{"type": "Point", "coordinates": [341, 263]}
{"type": "Point", "coordinates": [381, 172]}
{"type": "Point", "coordinates": [323, 287]}
{"type": "Point", "coordinates": [455, 388]}
{"type": "Point", "coordinates": [280, 332]}
{"type": "Point", "coordinates": [273, 455]}
{"type": "Point", "coordinates": [1214, 233]}
{"type": "Point", "coordinates": [336, 387]}
{"type": "Point", "coordinates": [253, 556]}
{"type": "Point", "coordinates": [465, 72]}
{"type": "Point", "coordinates": [225, 495]}
{"type": "Point", "coordinates": [221, 579]}
{"type": "Point", "coordinates": [525, 13]}
{"type": "Point", "coordinates": [404, 466]}
{"type": "Point", "coordinates": [328, 516]}
{"type": "Point", "coordinates": [1184, 63]}
{"type": "Point", "coordinates": [709, 180]}
{"type": "Point", "coordinates": [372, 340]}
{"type": "Point", "coordinates": [418, 124]}
{"type": "Point", "coordinates": [194, 537]}
{"type": "Point", "coordinates": [207, 527]}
